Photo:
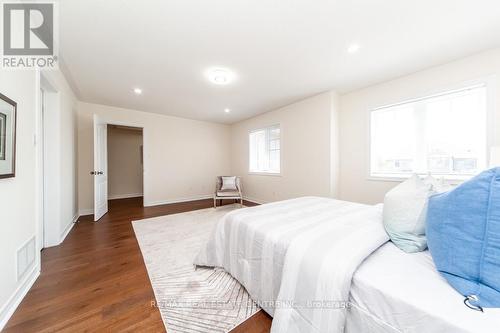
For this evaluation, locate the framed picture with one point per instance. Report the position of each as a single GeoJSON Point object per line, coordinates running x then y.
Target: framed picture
{"type": "Point", "coordinates": [8, 109]}
{"type": "Point", "coordinates": [3, 127]}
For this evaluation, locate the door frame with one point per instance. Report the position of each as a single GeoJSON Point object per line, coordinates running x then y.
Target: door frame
{"type": "Point", "coordinates": [107, 121]}
{"type": "Point", "coordinates": [46, 232]}
{"type": "Point", "coordinates": [39, 142]}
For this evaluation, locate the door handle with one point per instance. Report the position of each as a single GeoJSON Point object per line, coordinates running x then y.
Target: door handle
{"type": "Point", "coordinates": [100, 173]}
{"type": "Point", "coordinates": [96, 173]}
{"type": "Point", "coordinates": [93, 173]}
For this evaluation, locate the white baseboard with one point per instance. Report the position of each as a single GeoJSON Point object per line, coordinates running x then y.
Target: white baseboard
{"type": "Point", "coordinates": [166, 202]}
{"type": "Point", "coordinates": [8, 309]}
{"type": "Point", "coordinates": [257, 201]}
{"type": "Point", "coordinates": [125, 196]}
{"type": "Point", "coordinates": [68, 229]}
{"type": "Point", "coordinates": [90, 211]}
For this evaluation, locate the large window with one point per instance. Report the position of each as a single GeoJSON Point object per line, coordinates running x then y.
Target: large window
{"type": "Point", "coordinates": [443, 134]}
{"type": "Point", "coordinates": [265, 150]}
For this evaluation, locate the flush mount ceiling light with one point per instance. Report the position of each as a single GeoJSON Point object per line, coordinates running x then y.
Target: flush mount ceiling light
{"type": "Point", "coordinates": [220, 76]}
{"type": "Point", "coordinates": [353, 48]}
{"type": "Point", "coordinates": [138, 91]}
{"type": "Point", "coordinates": [227, 110]}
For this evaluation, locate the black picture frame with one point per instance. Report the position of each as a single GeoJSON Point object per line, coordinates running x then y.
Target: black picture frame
{"type": "Point", "coordinates": [3, 136]}
{"type": "Point", "coordinates": [12, 172]}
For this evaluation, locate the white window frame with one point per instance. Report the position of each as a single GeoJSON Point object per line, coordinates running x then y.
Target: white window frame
{"type": "Point", "coordinates": [263, 173]}
{"type": "Point", "coordinates": [489, 83]}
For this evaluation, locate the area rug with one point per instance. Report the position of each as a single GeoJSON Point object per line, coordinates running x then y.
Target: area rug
{"type": "Point", "coordinates": [190, 299]}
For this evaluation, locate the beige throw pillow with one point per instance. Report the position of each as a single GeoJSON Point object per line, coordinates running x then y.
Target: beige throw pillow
{"type": "Point", "coordinates": [228, 184]}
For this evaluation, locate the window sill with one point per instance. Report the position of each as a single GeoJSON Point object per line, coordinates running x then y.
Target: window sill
{"type": "Point", "coordinates": [272, 174]}
{"type": "Point", "coordinates": [450, 179]}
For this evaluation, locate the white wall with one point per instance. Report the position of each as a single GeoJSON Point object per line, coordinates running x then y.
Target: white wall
{"type": "Point", "coordinates": [308, 151]}
{"type": "Point", "coordinates": [20, 202]}
{"type": "Point", "coordinates": [182, 157]}
{"type": "Point", "coordinates": [18, 219]}
{"type": "Point", "coordinates": [355, 108]}
{"type": "Point", "coordinates": [124, 163]}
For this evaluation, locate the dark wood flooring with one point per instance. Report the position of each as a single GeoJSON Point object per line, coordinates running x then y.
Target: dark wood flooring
{"type": "Point", "coordinates": [96, 279]}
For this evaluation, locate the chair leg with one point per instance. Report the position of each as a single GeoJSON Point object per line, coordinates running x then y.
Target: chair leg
{"type": "Point", "coordinates": [215, 203]}
{"type": "Point", "coordinates": [241, 202]}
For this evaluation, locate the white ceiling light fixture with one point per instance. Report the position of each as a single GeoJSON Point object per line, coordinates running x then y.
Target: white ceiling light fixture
{"type": "Point", "coordinates": [138, 91]}
{"type": "Point", "coordinates": [227, 110]}
{"type": "Point", "coordinates": [220, 76]}
{"type": "Point", "coordinates": [353, 48]}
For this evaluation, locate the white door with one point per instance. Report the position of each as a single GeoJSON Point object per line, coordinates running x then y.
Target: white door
{"type": "Point", "coordinates": [100, 171]}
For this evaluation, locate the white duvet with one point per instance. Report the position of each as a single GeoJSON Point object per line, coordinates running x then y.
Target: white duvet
{"type": "Point", "coordinates": [297, 257]}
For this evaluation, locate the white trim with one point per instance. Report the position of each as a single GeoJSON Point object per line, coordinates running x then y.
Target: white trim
{"type": "Point", "coordinates": [166, 202]}
{"type": "Point", "coordinates": [125, 196]}
{"type": "Point", "coordinates": [272, 174]}
{"type": "Point", "coordinates": [11, 305]}
{"type": "Point", "coordinates": [40, 224]}
{"type": "Point", "coordinates": [254, 200]}
{"type": "Point", "coordinates": [449, 179]}
{"type": "Point", "coordinates": [68, 228]}
{"type": "Point", "coordinates": [90, 211]}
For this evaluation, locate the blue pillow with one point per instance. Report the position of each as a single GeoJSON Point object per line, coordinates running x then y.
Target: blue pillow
{"type": "Point", "coordinates": [463, 235]}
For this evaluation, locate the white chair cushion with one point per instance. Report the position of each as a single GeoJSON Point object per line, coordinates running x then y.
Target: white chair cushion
{"type": "Point", "coordinates": [228, 183]}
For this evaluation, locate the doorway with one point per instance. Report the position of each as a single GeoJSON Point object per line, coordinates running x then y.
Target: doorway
{"type": "Point", "coordinates": [118, 163]}
{"type": "Point", "coordinates": [125, 162]}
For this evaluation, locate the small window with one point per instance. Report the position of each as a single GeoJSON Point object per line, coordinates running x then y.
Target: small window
{"type": "Point", "coordinates": [442, 134]}
{"type": "Point", "coordinates": [265, 148]}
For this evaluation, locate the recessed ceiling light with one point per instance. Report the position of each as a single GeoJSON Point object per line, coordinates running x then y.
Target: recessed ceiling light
{"type": "Point", "coordinates": [138, 91]}
{"type": "Point", "coordinates": [353, 48]}
{"type": "Point", "coordinates": [227, 110]}
{"type": "Point", "coordinates": [220, 76]}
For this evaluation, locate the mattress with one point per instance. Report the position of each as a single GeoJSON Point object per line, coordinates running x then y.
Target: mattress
{"type": "Point", "coordinates": [393, 291]}
{"type": "Point", "coordinates": [390, 291]}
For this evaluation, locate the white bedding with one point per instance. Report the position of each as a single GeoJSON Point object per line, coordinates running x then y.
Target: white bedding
{"type": "Point", "coordinates": [308, 249]}
{"type": "Point", "coordinates": [297, 252]}
{"type": "Point", "coordinates": [394, 289]}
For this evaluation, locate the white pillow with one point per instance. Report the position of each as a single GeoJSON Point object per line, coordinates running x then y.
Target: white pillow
{"type": "Point", "coordinates": [229, 183]}
{"type": "Point", "coordinates": [405, 210]}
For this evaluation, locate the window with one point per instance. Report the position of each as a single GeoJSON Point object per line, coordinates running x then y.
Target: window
{"type": "Point", "coordinates": [443, 134]}
{"type": "Point", "coordinates": [265, 150]}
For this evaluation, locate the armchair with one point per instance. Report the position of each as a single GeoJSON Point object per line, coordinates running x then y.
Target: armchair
{"type": "Point", "coordinates": [233, 192]}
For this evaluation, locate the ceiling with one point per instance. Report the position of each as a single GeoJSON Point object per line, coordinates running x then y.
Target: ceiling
{"type": "Point", "coordinates": [281, 51]}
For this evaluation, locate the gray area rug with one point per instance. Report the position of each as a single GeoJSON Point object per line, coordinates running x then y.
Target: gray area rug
{"type": "Point", "coordinates": [189, 299]}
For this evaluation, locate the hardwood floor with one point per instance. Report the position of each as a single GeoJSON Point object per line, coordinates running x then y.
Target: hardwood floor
{"type": "Point", "coordinates": [96, 279]}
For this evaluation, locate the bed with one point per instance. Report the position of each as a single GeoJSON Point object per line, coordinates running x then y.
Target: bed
{"type": "Point", "coordinates": [393, 291]}
{"type": "Point", "coordinates": [323, 265]}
